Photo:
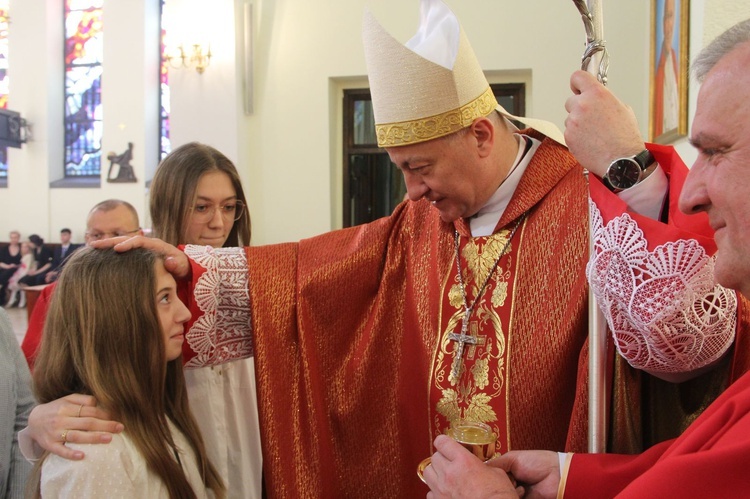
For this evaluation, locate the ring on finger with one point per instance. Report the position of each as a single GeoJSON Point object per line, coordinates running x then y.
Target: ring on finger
{"type": "Point", "coordinates": [64, 436]}
{"type": "Point", "coordinates": [79, 411]}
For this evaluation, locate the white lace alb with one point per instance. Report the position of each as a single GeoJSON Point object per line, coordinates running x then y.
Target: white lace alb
{"type": "Point", "coordinates": [224, 330]}
{"type": "Point", "coordinates": [665, 311]}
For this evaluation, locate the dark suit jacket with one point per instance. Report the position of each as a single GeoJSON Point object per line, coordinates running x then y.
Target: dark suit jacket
{"type": "Point", "coordinates": [58, 258]}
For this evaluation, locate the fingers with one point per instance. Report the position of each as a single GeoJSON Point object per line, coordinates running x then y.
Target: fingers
{"type": "Point", "coordinates": [76, 400]}
{"type": "Point", "coordinates": [87, 437]}
{"type": "Point", "coordinates": [91, 425]}
{"type": "Point", "coordinates": [178, 267]}
{"type": "Point", "coordinates": [175, 260]}
{"type": "Point", "coordinates": [53, 424]}
{"type": "Point", "coordinates": [58, 448]}
{"type": "Point", "coordinates": [449, 447]}
{"type": "Point", "coordinates": [581, 80]}
{"type": "Point", "coordinates": [110, 242]}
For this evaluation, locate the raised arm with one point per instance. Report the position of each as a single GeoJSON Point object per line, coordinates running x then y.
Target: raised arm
{"type": "Point", "coordinates": [599, 127]}
{"type": "Point", "coordinates": [651, 269]}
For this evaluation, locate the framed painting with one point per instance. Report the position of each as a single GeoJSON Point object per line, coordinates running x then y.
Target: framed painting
{"type": "Point", "coordinates": [668, 103]}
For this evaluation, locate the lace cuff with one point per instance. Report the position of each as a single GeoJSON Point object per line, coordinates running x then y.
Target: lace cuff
{"type": "Point", "coordinates": [663, 307]}
{"type": "Point", "coordinates": [223, 332]}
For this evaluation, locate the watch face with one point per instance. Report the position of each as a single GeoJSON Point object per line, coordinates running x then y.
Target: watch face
{"type": "Point", "coordinates": [624, 173]}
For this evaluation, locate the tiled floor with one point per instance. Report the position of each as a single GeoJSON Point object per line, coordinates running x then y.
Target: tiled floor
{"type": "Point", "coordinates": [19, 320]}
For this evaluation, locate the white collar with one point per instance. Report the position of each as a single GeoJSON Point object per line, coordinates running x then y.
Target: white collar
{"type": "Point", "coordinates": [486, 219]}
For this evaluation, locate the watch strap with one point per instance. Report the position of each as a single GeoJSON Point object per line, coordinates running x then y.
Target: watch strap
{"type": "Point", "coordinates": [644, 159]}
{"type": "Point", "coordinates": [608, 185]}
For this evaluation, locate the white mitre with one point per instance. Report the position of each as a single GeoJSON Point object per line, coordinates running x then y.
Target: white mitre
{"type": "Point", "coordinates": [429, 88]}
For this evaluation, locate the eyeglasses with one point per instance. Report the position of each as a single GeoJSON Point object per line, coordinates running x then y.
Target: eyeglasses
{"type": "Point", "coordinates": [204, 213]}
{"type": "Point", "coordinates": [95, 236]}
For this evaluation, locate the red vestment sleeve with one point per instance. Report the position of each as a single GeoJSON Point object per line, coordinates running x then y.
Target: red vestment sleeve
{"type": "Point", "coordinates": [33, 338]}
{"type": "Point", "coordinates": [708, 460]}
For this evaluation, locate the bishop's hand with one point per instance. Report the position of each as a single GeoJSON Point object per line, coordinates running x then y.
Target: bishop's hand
{"type": "Point", "coordinates": [456, 473]}
{"type": "Point", "coordinates": [175, 260]}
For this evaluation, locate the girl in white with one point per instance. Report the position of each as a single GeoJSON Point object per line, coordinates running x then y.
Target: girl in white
{"type": "Point", "coordinates": [115, 330]}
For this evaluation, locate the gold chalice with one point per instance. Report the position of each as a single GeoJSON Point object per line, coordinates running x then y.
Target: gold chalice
{"type": "Point", "coordinates": [476, 437]}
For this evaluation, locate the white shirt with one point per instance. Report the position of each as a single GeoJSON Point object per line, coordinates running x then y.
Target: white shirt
{"type": "Point", "coordinates": [115, 471]}
{"type": "Point", "coordinates": [645, 198]}
{"type": "Point", "coordinates": [224, 403]}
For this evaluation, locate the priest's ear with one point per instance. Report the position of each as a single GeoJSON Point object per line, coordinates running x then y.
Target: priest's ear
{"type": "Point", "coordinates": [483, 131]}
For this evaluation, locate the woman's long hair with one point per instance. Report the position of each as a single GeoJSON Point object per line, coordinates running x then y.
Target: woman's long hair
{"type": "Point", "coordinates": [173, 192]}
{"type": "Point", "coordinates": [103, 337]}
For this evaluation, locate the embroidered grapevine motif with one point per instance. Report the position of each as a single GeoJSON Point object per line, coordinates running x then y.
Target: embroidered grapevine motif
{"type": "Point", "coordinates": [223, 331]}
{"type": "Point", "coordinates": [664, 309]}
{"type": "Point", "coordinates": [471, 395]}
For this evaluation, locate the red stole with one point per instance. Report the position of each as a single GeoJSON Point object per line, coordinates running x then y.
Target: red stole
{"type": "Point", "coordinates": [480, 392]}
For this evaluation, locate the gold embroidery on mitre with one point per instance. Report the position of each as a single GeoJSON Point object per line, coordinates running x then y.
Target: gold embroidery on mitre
{"type": "Point", "coordinates": [424, 129]}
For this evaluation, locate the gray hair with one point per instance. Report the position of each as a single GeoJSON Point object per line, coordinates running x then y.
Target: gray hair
{"type": "Point", "coordinates": [721, 46]}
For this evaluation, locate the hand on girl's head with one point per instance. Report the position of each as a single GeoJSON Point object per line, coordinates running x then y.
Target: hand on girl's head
{"type": "Point", "coordinates": [175, 260]}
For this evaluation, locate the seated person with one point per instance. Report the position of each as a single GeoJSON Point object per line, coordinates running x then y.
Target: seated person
{"type": "Point", "coordinates": [43, 257]}
{"type": "Point", "coordinates": [16, 297]}
{"type": "Point", "coordinates": [60, 255]}
{"type": "Point", "coordinates": [10, 258]}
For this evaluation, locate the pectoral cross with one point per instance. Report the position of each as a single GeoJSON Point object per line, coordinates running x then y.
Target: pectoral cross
{"type": "Point", "coordinates": [462, 339]}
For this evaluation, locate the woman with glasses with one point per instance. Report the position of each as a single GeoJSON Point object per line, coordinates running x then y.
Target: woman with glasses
{"type": "Point", "coordinates": [197, 199]}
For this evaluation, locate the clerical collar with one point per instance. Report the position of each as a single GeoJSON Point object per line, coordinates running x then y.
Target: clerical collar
{"type": "Point", "coordinates": [486, 219]}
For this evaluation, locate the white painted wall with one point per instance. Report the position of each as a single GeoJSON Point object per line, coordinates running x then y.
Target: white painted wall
{"type": "Point", "coordinates": [305, 54]}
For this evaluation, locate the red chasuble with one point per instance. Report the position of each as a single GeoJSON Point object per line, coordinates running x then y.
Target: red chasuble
{"type": "Point", "coordinates": [708, 460]}
{"type": "Point", "coordinates": [351, 333]}
{"type": "Point", "coordinates": [350, 338]}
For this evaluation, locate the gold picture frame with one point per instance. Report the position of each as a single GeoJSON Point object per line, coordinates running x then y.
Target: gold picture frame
{"type": "Point", "coordinates": [668, 82]}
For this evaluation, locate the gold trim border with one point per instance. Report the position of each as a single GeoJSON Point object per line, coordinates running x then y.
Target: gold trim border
{"type": "Point", "coordinates": [405, 133]}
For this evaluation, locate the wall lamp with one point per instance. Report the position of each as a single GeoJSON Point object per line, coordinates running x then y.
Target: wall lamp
{"type": "Point", "coordinates": [198, 57]}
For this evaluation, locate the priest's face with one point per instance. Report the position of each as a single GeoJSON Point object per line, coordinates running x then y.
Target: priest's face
{"type": "Point", "coordinates": [719, 181]}
{"type": "Point", "coordinates": [450, 172]}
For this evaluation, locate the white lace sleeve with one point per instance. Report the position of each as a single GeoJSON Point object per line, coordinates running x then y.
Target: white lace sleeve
{"type": "Point", "coordinates": [224, 330]}
{"type": "Point", "coordinates": [663, 307]}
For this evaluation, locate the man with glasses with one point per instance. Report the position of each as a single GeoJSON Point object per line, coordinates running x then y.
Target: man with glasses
{"type": "Point", "coordinates": [110, 218]}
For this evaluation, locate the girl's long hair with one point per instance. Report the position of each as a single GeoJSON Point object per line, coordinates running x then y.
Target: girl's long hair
{"type": "Point", "coordinates": [102, 337]}
{"type": "Point", "coordinates": [172, 192]}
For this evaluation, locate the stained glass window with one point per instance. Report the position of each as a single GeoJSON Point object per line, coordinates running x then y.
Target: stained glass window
{"type": "Point", "coordinates": [165, 144]}
{"type": "Point", "coordinates": [4, 78]}
{"type": "Point", "coordinates": [83, 97]}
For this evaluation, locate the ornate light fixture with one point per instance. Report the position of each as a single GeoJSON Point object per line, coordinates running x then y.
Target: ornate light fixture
{"type": "Point", "coordinates": [198, 58]}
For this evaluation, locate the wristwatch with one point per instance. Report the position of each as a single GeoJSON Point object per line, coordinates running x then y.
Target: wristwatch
{"type": "Point", "coordinates": [624, 173]}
